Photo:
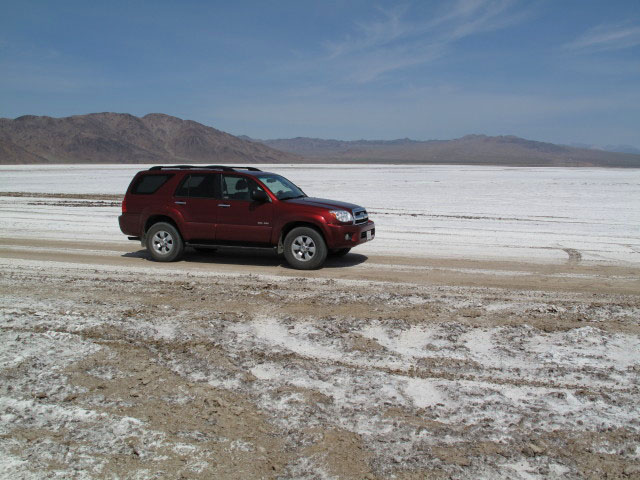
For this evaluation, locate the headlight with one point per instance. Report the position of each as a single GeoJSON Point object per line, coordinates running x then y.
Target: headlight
{"type": "Point", "coordinates": [342, 216]}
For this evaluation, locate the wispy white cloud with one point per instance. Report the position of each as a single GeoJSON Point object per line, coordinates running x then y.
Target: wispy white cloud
{"type": "Point", "coordinates": [606, 37]}
{"type": "Point", "coordinates": [373, 34]}
{"type": "Point", "coordinates": [472, 17]}
{"type": "Point", "coordinates": [395, 40]}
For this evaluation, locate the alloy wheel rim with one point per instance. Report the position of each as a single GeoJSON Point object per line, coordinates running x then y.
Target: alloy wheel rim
{"type": "Point", "coordinates": [162, 242]}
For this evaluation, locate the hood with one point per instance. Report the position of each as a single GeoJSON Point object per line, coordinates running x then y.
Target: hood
{"type": "Point", "coordinates": [323, 203]}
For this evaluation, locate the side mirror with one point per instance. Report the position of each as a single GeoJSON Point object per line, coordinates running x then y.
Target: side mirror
{"type": "Point", "coordinates": [259, 196]}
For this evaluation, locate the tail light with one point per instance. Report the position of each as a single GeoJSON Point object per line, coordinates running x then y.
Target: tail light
{"type": "Point", "coordinates": [124, 205]}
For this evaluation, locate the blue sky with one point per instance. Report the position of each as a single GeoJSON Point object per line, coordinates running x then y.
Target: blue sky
{"type": "Point", "coordinates": [561, 71]}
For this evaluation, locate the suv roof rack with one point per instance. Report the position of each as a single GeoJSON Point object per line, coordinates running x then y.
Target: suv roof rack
{"type": "Point", "coordinates": [203, 167]}
{"type": "Point", "coordinates": [222, 167]}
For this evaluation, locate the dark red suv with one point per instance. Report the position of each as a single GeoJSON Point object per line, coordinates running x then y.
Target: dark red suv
{"type": "Point", "coordinates": [169, 208]}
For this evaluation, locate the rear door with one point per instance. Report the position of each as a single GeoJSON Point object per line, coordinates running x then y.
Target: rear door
{"type": "Point", "coordinates": [197, 198]}
{"type": "Point", "coordinates": [241, 219]}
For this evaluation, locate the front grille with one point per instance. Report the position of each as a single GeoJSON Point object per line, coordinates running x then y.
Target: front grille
{"type": "Point", "coordinates": [360, 216]}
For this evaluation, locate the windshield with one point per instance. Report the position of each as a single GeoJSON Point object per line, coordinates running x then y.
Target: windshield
{"type": "Point", "coordinates": [280, 186]}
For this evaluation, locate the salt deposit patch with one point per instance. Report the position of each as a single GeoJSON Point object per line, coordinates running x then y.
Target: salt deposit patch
{"type": "Point", "coordinates": [424, 392]}
{"type": "Point", "coordinates": [506, 389]}
{"type": "Point", "coordinates": [51, 349]}
{"type": "Point", "coordinates": [296, 339]}
{"type": "Point", "coordinates": [417, 341]}
{"type": "Point", "coordinates": [494, 348]}
{"type": "Point", "coordinates": [587, 346]}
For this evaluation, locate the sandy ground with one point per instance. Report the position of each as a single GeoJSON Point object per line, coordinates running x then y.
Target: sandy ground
{"type": "Point", "coordinates": [231, 365]}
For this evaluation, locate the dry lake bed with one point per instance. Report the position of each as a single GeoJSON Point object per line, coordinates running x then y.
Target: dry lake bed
{"type": "Point", "coordinates": [491, 330]}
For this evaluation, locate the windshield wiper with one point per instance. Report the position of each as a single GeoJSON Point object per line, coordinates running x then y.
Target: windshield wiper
{"type": "Point", "coordinates": [295, 196]}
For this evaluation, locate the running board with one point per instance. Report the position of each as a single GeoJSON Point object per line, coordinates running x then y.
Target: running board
{"type": "Point", "coordinates": [227, 245]}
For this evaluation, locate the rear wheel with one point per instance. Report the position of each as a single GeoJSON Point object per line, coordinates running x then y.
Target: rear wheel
{"type": "Point", "coordinates": [164, 242]}
{"type": "Point", "coordinates": [341, 252]}
{"type": "Point", "coordinates": [304, 248]}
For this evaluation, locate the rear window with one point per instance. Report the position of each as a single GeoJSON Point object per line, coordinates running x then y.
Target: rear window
{"type": "Point", "coordinates": [148, 184]}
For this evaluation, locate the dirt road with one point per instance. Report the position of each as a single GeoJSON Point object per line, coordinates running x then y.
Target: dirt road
{"type": "Point", "coordinates": [229, 365]}
{"type": "Point", "coordinates": [570, 276]}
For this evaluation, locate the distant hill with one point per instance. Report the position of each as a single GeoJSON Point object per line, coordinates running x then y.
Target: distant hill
{"type": "Point", "coordinates": [159, 138]}
{"type": "Point", "coordinates": [470, 149]}
{"type": "Point", "coordinates": [608, 148]}
{"type": "Point", "coordinates": [621, 149]}
{"type": "Point", "coordinates": [124, 138]}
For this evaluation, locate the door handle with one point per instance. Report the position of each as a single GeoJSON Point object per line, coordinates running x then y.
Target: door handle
{"type": "Point", "coordinates": [224, 205]}
{"type": "Point", "coordinates": [180, 203]}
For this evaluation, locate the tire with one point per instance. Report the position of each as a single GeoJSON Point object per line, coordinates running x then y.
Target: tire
{"type": "Point", "coordinates": [164, 242]}
{"type": "Point", "coordinates": [305, 249]}
{"type": "Point", "coordinates": [341, 252]}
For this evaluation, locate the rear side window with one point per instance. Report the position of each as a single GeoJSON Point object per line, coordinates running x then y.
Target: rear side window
{"type": "Point", "coordinates": [148, 184]}
{"type": "Point", "coordinates": [200, 186]}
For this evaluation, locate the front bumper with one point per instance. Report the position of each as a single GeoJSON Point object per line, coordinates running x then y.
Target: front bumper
{"type": "Point", "coordinates": [348, 236]}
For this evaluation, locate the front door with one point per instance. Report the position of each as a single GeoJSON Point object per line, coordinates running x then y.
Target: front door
{"type": "Point", "coordinates": [241, 219]}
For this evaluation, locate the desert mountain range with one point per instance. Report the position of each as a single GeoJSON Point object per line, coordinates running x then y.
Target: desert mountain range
{"type": "Point", "coordinates": [124, 138]}
{"type": "Point", "coordinates": [470, 149]}
{"type": "Point", "coordinates": [159, 138]}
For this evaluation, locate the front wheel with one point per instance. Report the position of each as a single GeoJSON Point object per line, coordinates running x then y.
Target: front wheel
{"type": "Point", "coordinates": [304, 248]}
{"type": "Point", "coordinates": [164, 242]}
